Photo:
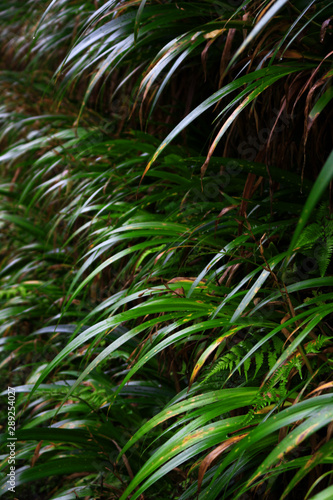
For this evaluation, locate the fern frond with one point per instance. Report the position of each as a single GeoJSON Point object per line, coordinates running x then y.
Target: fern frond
{"type": "Point", "coordinates": [324, 255]}
{"type": "Point", "coordinates": [310, 235]}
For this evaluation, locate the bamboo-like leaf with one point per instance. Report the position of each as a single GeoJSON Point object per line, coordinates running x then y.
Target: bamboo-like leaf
{"type": "Point", "coordinates": [138, 19]}
{"type": "Point", "coordinates": [323, 179]}
{"type": "Point", "coordinates": [47, 10]}
{"type": "Point", "coordinates": [322, 102]}
{"type": "Point", "coordinates": [211, 348]}
{"type": "Point", "coordinates": [213, 455]}
{"type": "Point", "coordinates": [255, 288]}
{"type": "Point", "coordinates": [324, 451]}
{"type": "Point", "coordinates": [326, 494]}
{"type": "Point", "coordinates": [292, 347]}
{"type": "Point", "coordinates": [216, 97]}
{"type": "Point", "coordinates": [56, 467]}
{"type": "Point", "coordinates": [304, 410]}
{"type": "Point", "coordinates": [321, 418]}
{"type": "Point", "coordinates": [265, 19]}
{"type": "Point", "coordinates": [231, 399]}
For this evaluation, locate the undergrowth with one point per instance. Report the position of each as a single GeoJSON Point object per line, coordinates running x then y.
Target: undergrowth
{"type": "Point", "coordinates": [166, 249]}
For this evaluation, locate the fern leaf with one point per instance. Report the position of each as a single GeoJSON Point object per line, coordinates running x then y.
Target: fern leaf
{"type": "Point", "coordinates": [310, 235]}
{"type": "Point", "coordinates": [259, 359]}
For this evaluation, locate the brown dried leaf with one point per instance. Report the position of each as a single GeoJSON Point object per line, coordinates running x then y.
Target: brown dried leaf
{"type": "Point", "coordinates": [213, 455]}
{"type": "Point", "coordinates": [36, 453]}
{"type": "Point", "coordinates": [225, 210]}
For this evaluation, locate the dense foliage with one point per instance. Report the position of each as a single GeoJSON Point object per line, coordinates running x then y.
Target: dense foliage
{"type": "Point", "coordinates": [166, 248]}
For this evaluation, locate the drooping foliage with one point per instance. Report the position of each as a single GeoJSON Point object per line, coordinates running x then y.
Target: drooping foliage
{"type": "Point", "coordinates": [166, 248]}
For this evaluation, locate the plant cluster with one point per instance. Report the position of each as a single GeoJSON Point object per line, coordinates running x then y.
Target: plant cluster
{"type": "Point", "coordinates": [166, 248]}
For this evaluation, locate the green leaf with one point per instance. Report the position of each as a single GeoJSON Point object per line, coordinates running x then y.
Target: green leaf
{"type": "Point", "coordinates": [265, 19]}
{"type": "Point", "coordinates": [322, 181]}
